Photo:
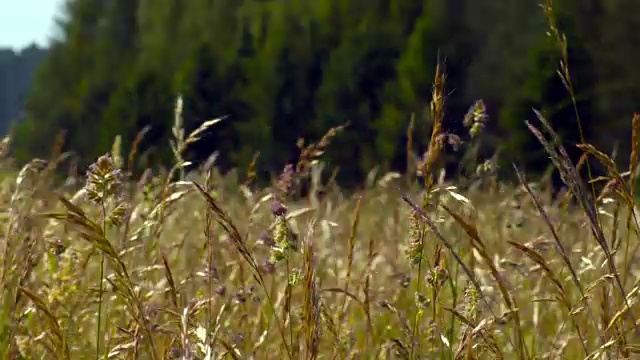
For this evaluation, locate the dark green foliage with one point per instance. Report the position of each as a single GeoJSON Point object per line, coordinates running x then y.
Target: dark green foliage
{"type": "Point", "coordinates": [281, 70]}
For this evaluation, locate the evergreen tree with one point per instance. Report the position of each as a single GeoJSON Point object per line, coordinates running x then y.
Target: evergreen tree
{"type": "Point", "coordinates": [280, 70]}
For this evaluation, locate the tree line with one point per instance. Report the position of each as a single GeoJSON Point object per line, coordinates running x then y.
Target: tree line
{"type": "Point", "coordinates": [285, 69]}
{"type": "Point", "coordinates": [16, 72]}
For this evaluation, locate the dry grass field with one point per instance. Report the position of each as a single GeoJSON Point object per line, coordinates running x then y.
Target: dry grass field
{"type": "Point", "coordinates": [175, 265]}
{"type": "Point", "coordinates": [203, 266]}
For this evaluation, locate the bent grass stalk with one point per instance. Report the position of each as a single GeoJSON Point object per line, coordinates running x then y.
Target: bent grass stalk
{"type": "Point", "coordinates": [223, 220]}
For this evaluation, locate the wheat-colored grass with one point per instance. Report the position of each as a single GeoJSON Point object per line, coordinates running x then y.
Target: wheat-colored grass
{"type": "Point", "coordinates": [164, 268]}
{"type": "Point", "coordinates": [210, 268]}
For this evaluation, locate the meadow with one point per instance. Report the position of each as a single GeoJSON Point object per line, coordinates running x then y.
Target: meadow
{"type": "Point", "coordinates": [197, 265]}
{"type": "Point", "coordinates": [177, 264]}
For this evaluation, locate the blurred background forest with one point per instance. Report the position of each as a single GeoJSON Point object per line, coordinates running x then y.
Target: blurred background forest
{"type": "Point", "coordinates": [285, 69]}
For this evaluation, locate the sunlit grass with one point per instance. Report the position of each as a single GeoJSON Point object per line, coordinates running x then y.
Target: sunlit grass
{"type": "Point", "coordinates": [176, 265]}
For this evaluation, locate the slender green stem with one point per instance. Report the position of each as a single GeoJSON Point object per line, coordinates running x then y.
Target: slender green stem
{"type": "Point", "coordinates": [209, 301]}
{"type": "Point", "coordinates": [414, 331]}
{"type": "Point", "coordinates": [99, 307]}
{"type": "Point", "coordinates": [275, 315]}
{"type": "Point", "coordinates": [289, 305]}
{"type": "Point", "coordinates": [98, 331]}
